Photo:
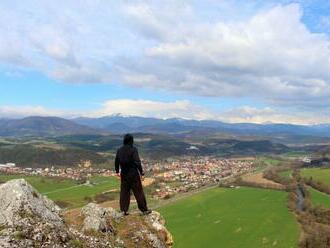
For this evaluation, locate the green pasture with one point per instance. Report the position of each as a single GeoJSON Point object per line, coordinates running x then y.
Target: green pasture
{"type": "Point", "coordinates": [269, 161]}
{"type": "Point", "coordinates": [67, 190]}
{"type": "Point", "coordinates": [287, 174]}
{"type": "Point", "coordinates": [42, 184]}
{"type": "Point", "coordinates": [318, 174]}
{"type": "Point", "coordinates": [221, 217]}
{"type": "Point", "coordinates": [319, 198]}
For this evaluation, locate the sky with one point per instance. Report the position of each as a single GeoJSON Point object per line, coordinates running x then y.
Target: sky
{"type": "Point", "coordinates": [228, 60]}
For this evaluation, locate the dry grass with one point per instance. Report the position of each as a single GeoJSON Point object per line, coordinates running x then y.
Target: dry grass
{"type": "Point", "coordinates": [126, 229]}
{"type": "Point", "coordinates": [73, 218]}
{"type": "Point", "coordinates": [258, 179]}
{"type": "Point", "coordinates": [148, 181]}
{"type": "Point", "coordinates": [110, 204]}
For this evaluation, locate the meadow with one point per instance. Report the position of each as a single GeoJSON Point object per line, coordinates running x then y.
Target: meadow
{"type": "Point", "coordinates": [318, 174]}
{"type": "Point", "coordinates": [222, 217]}
{"type": "Point", "coordinates": [66, 190]}
{"type": "Point", "coordinates": [269, 161]}
{"type": "Point", "coordinates": [286, 174]}
{"type": "Point", "coordinates": [319, 198]}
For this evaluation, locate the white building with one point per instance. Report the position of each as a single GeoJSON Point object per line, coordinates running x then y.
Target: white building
{"type": "Point", "coordinates": [307, 160]}
{"type": "Point", "coordinates": [7, 165]}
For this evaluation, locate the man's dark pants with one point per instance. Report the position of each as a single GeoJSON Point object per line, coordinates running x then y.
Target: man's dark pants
{"type": "Point", "coordinates": [132, 181]}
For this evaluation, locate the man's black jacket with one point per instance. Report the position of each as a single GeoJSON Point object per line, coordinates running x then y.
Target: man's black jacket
{"type": "Point", "coordinates": [128, 159]}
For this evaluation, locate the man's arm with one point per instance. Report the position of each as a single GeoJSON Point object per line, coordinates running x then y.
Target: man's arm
{"type": "Point", "coordinates": [137, 161]}
{"type": "Point", "coordinates": [117, 162]}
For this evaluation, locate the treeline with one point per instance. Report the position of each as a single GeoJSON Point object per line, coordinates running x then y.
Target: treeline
{"type": "Point", "coordinates": [31, 156]}
{"type": "Point", "coordinates": [274, 175]}
{"type": "Point", "coordinates": [318, 185]}
{"type": "Point", "coordinates": [314, 220]}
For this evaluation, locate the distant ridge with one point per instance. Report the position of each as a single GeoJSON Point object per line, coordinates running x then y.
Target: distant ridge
{"type": "Point", "coordinates": [42, 126]}
{"type": "Point", "coordinates": [121, 124]}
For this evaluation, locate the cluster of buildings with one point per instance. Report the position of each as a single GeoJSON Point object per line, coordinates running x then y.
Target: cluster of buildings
{"type": "Point", "coordinates": [79, 173]}
{"type": "Point", "coordinates": [316, 161]}
{"type": "Point", "coordinates": [185, 174]}
{"type": "Point", "coordinates": [171, 177]}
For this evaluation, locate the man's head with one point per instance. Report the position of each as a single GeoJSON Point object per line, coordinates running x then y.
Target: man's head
{"type": "Point", "coordinates": [128, 139]}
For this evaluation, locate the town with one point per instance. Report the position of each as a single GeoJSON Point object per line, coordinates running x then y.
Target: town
{"type": "Point", "coordinates": [190, 173]}
{"type": "Point", "coordinates": [168, 177]}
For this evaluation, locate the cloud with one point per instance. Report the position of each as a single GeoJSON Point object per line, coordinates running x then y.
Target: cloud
{"type": "Point", "coordinates": [248, 114]}
{"type": "Point", "coordinates": [176, 109]}
{"type": "Point", "coordinates": [158, 109]}
{"type": "Point", "coordinates": [271, 56]}
{"type": "Point", "coordinates": [259, 52]}
{"type": "Point", "coordinates": [129, 107]}
{"type": "Point", "coordinates": [24, 111]}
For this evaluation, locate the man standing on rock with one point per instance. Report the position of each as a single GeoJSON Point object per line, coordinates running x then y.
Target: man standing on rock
{"type": "Point", "coordinates": [131, 174]}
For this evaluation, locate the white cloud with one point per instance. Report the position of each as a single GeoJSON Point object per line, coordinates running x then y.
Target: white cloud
{"type": "Point", "coordinates": [23, 111]}
{"type": "Point", "coordinates": [180, 46]}
{"type": "Point", "coordinates": [271, 56]}
{"type": "Point", "coordinates": [248, 114]}
{"type": "Point", "coordinates": [176, 109]}
{"type": "Point", "coordinates": [147, 108]}
{"type": "Point", "coordinates": [144, 108]}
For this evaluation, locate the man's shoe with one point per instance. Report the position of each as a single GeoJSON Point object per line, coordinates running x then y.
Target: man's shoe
{"type": "Point", "coordinates": [147, 212]}
{"type": "Point", "coordinates": [126, 213]}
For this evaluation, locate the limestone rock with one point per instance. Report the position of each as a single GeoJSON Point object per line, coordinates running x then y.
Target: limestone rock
{"type": "Point", "coordinates": [97, 218]}
{"type": "Point", "coordinates": [158, 223]}
{"type": "Point", "coordinates": [28, 219]}
{"type": "Point", "coordinates": [19, 200]}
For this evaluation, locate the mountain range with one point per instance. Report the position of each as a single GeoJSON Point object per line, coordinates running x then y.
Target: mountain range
{"type": "Point", "coordinates": [117, 124]}
{"type": "Point", "coordinates": [122, 124]}
{"type": "Point", "coordinates": [42, 126]}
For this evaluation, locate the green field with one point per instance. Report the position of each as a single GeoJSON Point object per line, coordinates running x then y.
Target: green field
{"type": "Point", "coordinates": [68, 190]}
{"type": "Point", "coordinates": [287, 174]}
{"type": "Point", "coordinates": [319, 198]}
{"type": "Point", "coordinates": [244, 217]}
{"type": "Point", "coordinates": [318, 174]}
{"type": "Point", "coordinates": [269, 161]}
{"type": "Point", "coordinates": [295, 154]}
{"type": "Point", "coordinates": [43, 185]}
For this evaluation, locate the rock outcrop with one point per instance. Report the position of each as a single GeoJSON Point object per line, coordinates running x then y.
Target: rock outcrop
{"type": "Point", "coordinates": [97, 218]}
{"type": "Point", "coordinates": [158, 223]}
{"type": "Point", "coordinates": [28, 219]}
{"type": "Point", "coordinates": [18, 200]}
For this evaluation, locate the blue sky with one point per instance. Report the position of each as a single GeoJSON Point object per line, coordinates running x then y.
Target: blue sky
{"type": "Point", "coordinates": [230, 60]}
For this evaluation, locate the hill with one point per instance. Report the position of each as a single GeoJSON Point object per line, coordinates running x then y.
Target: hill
{"type": "Point", "coordinates": [162, 145]}
{"type": "Point", "coordinates": [118, 124]}
{"type": "Point", "coordinates": [122, 124]}
{"type": "Point", "coordinates": [42, 126]}
{"type": "Point", "coordinates": [32, 156]}
{"type": "Point", "coordinates": [261, 146]}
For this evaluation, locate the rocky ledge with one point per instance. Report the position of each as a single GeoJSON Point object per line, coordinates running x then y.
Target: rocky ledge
{"type": "Point", "coordinates": [29, 219]}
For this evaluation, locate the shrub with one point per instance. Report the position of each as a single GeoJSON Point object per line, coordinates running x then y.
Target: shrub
{"type": "Point", "coordinates": [62, 204]}
{"type": "Point", "coordinates": [103, 197]}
